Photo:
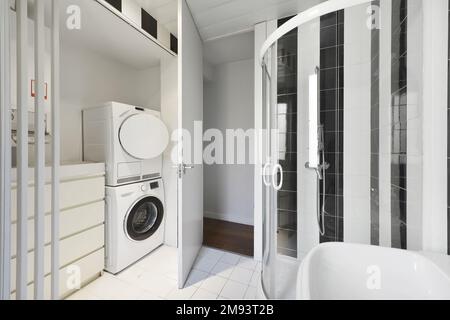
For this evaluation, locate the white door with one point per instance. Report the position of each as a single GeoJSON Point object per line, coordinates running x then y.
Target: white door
{"type": "Point", "coordinates": [190, 182]}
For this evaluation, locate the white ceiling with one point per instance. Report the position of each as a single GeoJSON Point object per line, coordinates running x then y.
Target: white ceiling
{"type": "Point", "coordinates": [229, 49]}
{"type": "Point", "coordinates": [219, 18]}
{"type": "Point", "coordinates": [165, 11]}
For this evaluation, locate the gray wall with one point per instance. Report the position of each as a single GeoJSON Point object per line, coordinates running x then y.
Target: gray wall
{"type": "Point", "coordinates": [229, 104]}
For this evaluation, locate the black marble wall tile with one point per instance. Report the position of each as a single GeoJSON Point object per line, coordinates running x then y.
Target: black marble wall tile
{"type": "Point", "coordinates": [329, 120]}
{"type": "Point", "coordinates": [332, 118]}
{"type": "Point", "coordinates": [287, 142]}
{"type": "Point", "coordinates": [287, 46]}
{"type": "Point", "coordinates": [287, 200]}
{"type": "Point", "coordinates": [329, 79]}
{"type": "Point", "coordinates": [399, 131]}
{"type": "Point", "coordinates": [329, 100]}
{"type": "Point", "coordinates": [287, 220]}
{"type": "Point", "coordinates": [287, 125]}
{"type": "Point", "coordinates": [289, 181]}
{"type": "Point", "coordinates": [287, 65]}
{"type": "Point", "coordinates": [328, 58]}
{"type": "Point", "coordinates": [329, 20]}
{"type": "Point", "coordinates": [328, 37]}
{"type": "Point", "coordinates": [287, 104]}
{"type": "Point", "coordinates": [287, 84]}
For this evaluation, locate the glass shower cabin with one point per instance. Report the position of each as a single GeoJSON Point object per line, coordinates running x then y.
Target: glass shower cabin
{"type": "Point", "coordinates": [343, 151]}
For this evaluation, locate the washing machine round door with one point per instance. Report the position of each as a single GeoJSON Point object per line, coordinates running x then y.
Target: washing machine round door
{"type": "Point", "coordinates": [144, 136]}
{"type": "Point", "coordinates": [144, 219]}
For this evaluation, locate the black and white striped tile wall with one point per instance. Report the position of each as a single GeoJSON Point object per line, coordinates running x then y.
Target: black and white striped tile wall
{"type": "Point", "coordinates": [145, 20]}
{"type": "Point", "coordinates": [399, 111]}
{"type": "Point", "coordinates": [332, 118]}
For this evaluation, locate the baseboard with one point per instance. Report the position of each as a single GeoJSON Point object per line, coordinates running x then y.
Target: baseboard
{"type": "Point", "coordinates": [228, 217]}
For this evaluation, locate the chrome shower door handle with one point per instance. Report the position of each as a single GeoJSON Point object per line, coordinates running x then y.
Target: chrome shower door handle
{"type": "Point", "coordinates": [277, 169]}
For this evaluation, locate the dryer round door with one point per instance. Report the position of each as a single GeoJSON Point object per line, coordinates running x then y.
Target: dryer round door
{"type": "Point", "coordinates": [143, 136]}
{"type": "Point", "coordinates": [144, 219]}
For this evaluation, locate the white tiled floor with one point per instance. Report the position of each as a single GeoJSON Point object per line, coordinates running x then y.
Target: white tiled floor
{"type": "Point", "coordinates": [216, 275]}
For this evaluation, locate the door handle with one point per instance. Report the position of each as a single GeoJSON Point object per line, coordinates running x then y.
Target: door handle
{"type": "Point", "coordinates": [182, 168]}
{"type": "Point", "coordinates": [277, 169]}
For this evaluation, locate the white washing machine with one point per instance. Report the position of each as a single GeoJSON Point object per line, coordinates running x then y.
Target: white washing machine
{"type": "Point", "coordinates": [129, 139]}
{"type": "Point", "coordinates": [135, 222]}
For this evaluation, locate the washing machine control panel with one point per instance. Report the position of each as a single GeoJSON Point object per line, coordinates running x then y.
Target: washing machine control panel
{"type": "Point", "coordinates": [149, 186]}
{"type": "Point", "coordinates": [154, 185]}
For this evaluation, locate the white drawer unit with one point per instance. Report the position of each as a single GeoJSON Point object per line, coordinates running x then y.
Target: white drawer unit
{"type": "Point", "coordinates": [89, 265]}
{"type": "Point", "coordinates": [82, 229]}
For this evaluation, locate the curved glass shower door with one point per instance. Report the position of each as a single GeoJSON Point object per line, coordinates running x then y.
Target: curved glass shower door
{"type": "Point", "coordinates": [268, 196]}
{"type": "Point", "coordinates": [282, 94]}
{"type": "Point", "coordinates": [343, 104]}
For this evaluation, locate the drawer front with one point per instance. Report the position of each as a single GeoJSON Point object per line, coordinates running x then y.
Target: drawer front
{"type": "Point", "coordinates": [90, 268]}
{"type": "Point", "coordinates": [72, 221]}
{"type": "Point", "coordinates": [71, 250]}
{"type": "Point", "coordinates": [72, 194]}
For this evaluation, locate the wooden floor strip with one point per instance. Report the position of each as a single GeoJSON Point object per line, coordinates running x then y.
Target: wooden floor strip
{"type": "Point", "coordinates": [228, 236]}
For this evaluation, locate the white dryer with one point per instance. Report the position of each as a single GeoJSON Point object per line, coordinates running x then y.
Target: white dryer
{"type": "Point", "coordinates": [135, 223]}
{"type": "Point", "coordinates": [129, 139]}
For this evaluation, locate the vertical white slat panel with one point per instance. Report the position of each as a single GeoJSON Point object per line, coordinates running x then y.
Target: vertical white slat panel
{"type": "Point", "coordinates": [22, 148]}
{"type": "Point", "coordinates": [55, 148]}
{"type": "Point", "coordinates": [5, 153]}
{"type": "Point", "coordinates": [39, 172]}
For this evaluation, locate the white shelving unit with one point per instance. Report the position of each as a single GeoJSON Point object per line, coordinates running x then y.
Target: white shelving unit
{"type": "Point", "coordinates": [100, 26]}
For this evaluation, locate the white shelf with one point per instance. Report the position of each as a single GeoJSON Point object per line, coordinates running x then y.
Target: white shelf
{"type": "Point", "coordinates": [106, 31]}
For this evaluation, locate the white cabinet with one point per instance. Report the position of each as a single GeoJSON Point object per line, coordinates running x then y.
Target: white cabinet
{"type": "Point", "coordinates": [82, 229]}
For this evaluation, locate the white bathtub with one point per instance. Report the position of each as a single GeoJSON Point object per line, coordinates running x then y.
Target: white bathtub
{"type": "Point", "coordinates": [337, 271]}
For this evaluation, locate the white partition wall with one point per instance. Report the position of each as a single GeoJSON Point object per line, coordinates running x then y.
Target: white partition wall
{"type": "Point", "coordinates": [5, 153]}
{"type": "Point", "coordinates": [357, 79]}
{"type": "Point", "coordinates": [56, 142]}
{"type": "Point", "coordinates": [435, 79]}
{"type": "Point", "coordinates": [22, 148]}
{"type": "Point", "coordinates": [39, 154]}
{"type": "Point", "coordinates": [19, 268]}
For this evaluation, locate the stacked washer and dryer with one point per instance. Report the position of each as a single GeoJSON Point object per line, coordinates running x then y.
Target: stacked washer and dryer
{"type": "Point", "coordinates": [131, 141]}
